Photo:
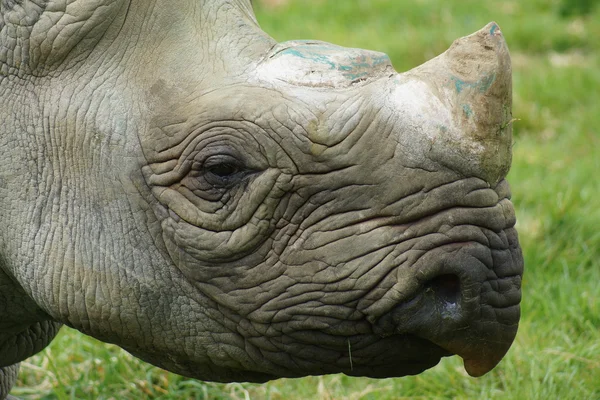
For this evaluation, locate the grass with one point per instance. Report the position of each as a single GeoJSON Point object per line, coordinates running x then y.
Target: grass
{"type": "Point", "coordinates": [556, 191]}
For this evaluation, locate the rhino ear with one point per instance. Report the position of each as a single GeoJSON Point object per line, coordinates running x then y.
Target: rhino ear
{"type": "Point", "coordinates": [473, 78]}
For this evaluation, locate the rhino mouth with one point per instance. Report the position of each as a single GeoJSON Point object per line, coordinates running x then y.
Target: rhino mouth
{"type": "Point", "coordinates": [467, 305]}
{"type": "Point", "coordinates": [393, 356]}
{"type": "Point", "coordinates": [438, 316]}
{"type": "Point", "coordinates": [360, 355]}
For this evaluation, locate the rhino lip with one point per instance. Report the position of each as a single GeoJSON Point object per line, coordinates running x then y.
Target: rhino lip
{"type": "Point", "coordinates": [480, 367]}
{"type": "Point", "coordinates": [480, 347]}
{"type": "Point", "coordinates": [479, 356]}
{"type": "Point", "coordinates": [477, 360]}
{"type": "Point", "coordinates": [442, 314]}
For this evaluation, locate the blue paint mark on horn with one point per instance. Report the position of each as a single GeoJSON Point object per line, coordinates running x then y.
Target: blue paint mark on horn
{"type": "Point", "coordinates": [482, 85]}
{"type": "Point", "coordinates": [467, 110]}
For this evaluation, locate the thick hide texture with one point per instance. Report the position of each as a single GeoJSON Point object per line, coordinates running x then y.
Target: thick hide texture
{"type": "Point", "coordinates": [231, 208]}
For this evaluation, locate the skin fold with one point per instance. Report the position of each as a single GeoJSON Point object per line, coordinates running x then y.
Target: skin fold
{"type": "Point", "coordinates": [235, 209]}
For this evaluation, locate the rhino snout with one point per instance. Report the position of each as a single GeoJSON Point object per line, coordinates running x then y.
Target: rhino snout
{"type": "Point", "coordinates": [464, 304]}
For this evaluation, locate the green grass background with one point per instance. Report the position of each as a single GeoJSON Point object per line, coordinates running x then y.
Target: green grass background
{"type": "Point", "coordinates": [556, 192]}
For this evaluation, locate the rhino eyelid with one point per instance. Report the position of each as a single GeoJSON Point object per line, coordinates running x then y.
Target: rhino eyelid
{"type": "Point", "coordinates": [223, 159]}
{"type": "Point", "coordinates": [223, 170]}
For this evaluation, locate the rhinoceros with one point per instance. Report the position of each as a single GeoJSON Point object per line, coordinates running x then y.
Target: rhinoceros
{"type": "Point", "coordinates": [230, 208]}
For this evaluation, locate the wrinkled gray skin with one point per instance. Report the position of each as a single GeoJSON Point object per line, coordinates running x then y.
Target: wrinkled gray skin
{"type": "Point", "coordinates": [174, 181]}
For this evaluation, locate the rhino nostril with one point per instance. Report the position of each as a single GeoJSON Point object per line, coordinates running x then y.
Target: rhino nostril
{"type": "Point", "coordinates": [446, 288]}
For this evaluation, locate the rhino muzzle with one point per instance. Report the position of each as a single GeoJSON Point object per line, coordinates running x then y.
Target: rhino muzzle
{"type": "Point", "coordinates": [464, 304]}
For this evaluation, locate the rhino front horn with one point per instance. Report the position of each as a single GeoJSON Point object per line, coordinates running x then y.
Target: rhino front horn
{"type": "Point", "coordinates": [472, 80]}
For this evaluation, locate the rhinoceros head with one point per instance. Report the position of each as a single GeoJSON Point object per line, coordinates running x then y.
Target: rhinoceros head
{"type": "Point", "coordinates": [232, 208]}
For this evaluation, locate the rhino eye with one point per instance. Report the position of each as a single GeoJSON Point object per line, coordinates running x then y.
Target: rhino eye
{"type": "Point", "coordinates": [222, 170]}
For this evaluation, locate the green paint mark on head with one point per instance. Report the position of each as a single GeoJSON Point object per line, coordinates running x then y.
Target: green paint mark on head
{"type": "Point", "coordinates": [355, 76]}
{"type": "Point", "coordinates": [310, 53]}
{"type": "Point", "coordinates": [351, 63]}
